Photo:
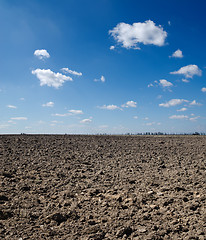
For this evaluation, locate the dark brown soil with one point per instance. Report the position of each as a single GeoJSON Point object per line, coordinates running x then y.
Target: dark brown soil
{"type": "Point", "coordinates": [102, 187]}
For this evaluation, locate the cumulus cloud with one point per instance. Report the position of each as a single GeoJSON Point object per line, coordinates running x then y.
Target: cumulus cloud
{"type": "Point", "coordinates": [67, 70]}
{"type": "Point", "coordinates": [102, 79]}
{"type": "Point", "coordinates": [177, 54]}
{"type": "Point", "coordinates": [182, 109]}
{"type": "Point", "coordinates": [129, 36]}
{"type": "Point", "coordinates": [195, 103]}
{"type": "Point", "coordinates": [164, 83]}
{"type": "Point", "coordinates": [178, 117]}
{"type": "Point", "coordinates": [135, 117]}
{"type": "Point", "coordinates": [130, 104]}
{"type": "Point", "coordinates": [11, 106]}
{"type": "Point", "coordinates": [48, 104]}
{"type": "Point", "coordinates": [19, 118]}
{"type": "Point", "coordinates": [189, 71]}
{"type": "Point", "coordinates": [203, 89]}
{"type": "Point", "coordinates": [112, 47]}
{"type": "Point", "coordinates": [50, 78]}
{"type": "Point", "coordinates": [173, 102]}
{"type": "Point", "coordinates": [87, 120]}
{"type": "Point", "coordinates": [41, 54]}
{"type": "Point", "coordinates": [109, 107]}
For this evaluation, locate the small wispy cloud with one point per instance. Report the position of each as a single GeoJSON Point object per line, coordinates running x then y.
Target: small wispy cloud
{"type": "Point", "coordinates": [173, 102]}
{"type": "Point", "coordinates": [11, 106]}
{"type": "Point", "coordinates": [130, 104]}
{"type": "Point", "coordinates": [178, 117]}
{"type": "Point", "coordinates": [19, 118]}
{"type": "Point", "coordinates": [48, 104]}
{"type": "Point", "coordinates": [112, 47]}
{"type": "Point", "coordinates": [109, 107]}
{"type": "Point", "coordinates": [182, 109]}
{"type": "Point", "coordinates": [67, 70]}
{"type": "Point", "coordinates": [195, 103]}
{"type": "Point", "coordinates": [102, 79]}
{"type": "Point", "coordinates": [71, 112]}
{"type": "Point", "coordinates": [86, 120]}
{"type": "Point", "coordinates": [41, 54]}
{"type": "Point", "coordinates": [185, 80]}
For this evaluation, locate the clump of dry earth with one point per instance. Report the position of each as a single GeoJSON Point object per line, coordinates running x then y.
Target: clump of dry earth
{"type": "Point", "coordinates": [102, 187]}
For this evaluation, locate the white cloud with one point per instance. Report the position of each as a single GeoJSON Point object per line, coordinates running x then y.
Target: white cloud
{"type": "Point", "coordinates": [71, 112]}
{"type": "Point", "coordinates": [112, 47]}
{"type": "Point", "coordinates": [150, 85]}
{"type": "Point", "coordinates": [135, 117]}
{"type": "Point", "coordinates": [194, 118]}
{"type": "Point", "coordinates": [173, 102]}
{"type": "Point", "coordinates": [4, 126]}
{"type": "Point", "coordinates": [11, 106]}
{"type": "Point", "coordinates": [87, 120]}
{"type": "Point", "coordinates": [60, 115]}
{"type": "Point", "coordinates": [22, 99]}
{"type": "Point", "coordinates": [182, 109]}
{"type": "Point", "coordinates": [169, 23]}
{"type": "Point", "coordinates": [195, 103]}
{"type": "Point", "coordinates": [178, 117]}
{"type": "Point", "coordinates": [146, 33]}
{"type": "Point", "coordinates": [109, 107]}
{"type": "Point", "coordinates": [146, 118]}
{"type": "Point", "coordinates": [41, 54]}
{"type": "Point", "coordinates": [177, 54]}
{"type": "Point", "coordinates": [165, 83]}
{"type": "Point", "coordinates": [48, 104]}
{"type": "Point", "coordinates": [75, 112]}
{"type": "Point", "coordinates": [185, 80]}
{"type": "Point", "coordinates": [150, 124]}
{"type": "Point", "coordinates": [203, 89]}
{"type": "Point", "coordinates": [189, 71]}
{"type": "Point", "coordinates": [130, 104]}
{"type": "Point", "coordinates": [102, 79]}
{"type": "Point", "coordinates": [50, 78]}
{"type": "Point", "coordinates": [67, 70]}
{"type": "Point", "coordinates": [19, 118]}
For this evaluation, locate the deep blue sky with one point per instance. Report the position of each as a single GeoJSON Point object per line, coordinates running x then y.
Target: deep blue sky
{"type": "Point", "coordinates": [122, 89]}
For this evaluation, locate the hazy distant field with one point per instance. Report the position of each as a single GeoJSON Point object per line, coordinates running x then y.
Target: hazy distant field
{"type": "Point", "coordinates": [102, 187]}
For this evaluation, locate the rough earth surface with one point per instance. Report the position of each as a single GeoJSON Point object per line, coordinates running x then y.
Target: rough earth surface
{"type": "Point", "coordinates": [102, 187]}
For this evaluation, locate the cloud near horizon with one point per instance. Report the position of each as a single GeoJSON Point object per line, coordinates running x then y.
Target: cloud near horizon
{"type": "Point", "coordinates": [50, 78]}
{"type": "Point", "coordinates": [130, 36]}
